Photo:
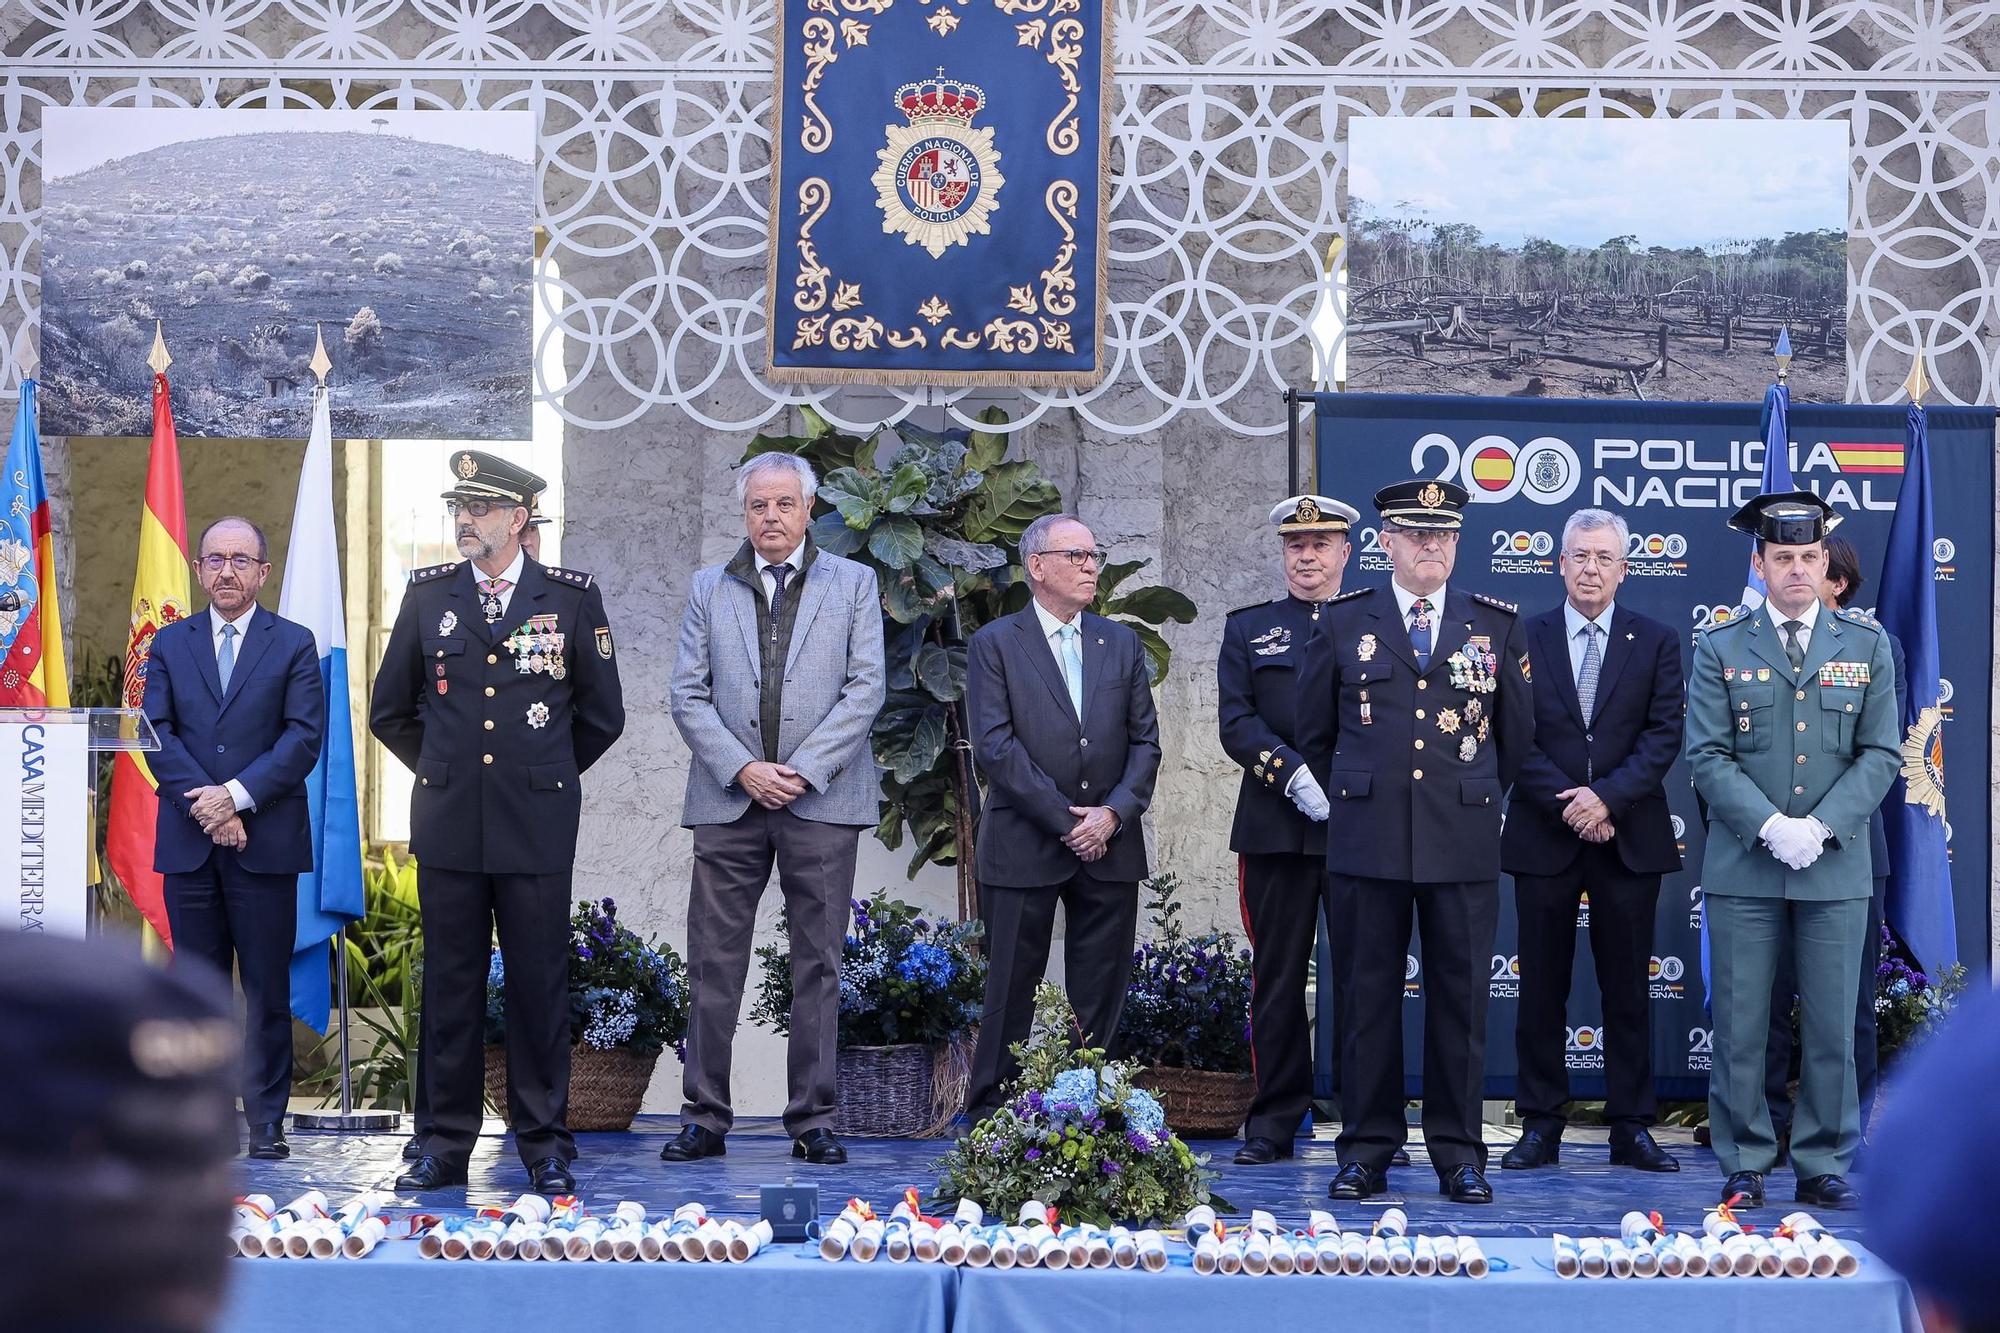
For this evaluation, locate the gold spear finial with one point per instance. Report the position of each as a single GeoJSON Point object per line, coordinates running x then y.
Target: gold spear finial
{"type": "Point", "coordinates": [321, 362]}
{"type": "Point", "coordinates": [1918, 384]}
{"type": "Point", "coordinates": [158, 358]}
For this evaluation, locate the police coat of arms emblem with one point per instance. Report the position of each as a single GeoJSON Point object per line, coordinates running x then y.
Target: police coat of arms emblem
{"type": "Point", "coordinates": [939, 178]}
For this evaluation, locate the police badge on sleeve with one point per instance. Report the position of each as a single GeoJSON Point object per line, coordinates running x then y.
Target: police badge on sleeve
{"type": "Point", "coordinates": [939, 178]}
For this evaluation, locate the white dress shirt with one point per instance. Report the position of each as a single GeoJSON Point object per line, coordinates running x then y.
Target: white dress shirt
{"type": "Point", "coordinates": [512, 574]}
{"type": "Point", "coordinates": [237, 792]}
{"type": "Point", "coordinates": [766, 580]}
{"type": "Point", "coordinates": [1574, 621]}
{"type": "Point", "coordinates": [1051, 628]}
{"type": "Point", "coordinates": [1810, 617]}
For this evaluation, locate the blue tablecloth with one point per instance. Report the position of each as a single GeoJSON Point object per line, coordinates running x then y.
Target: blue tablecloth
{"type": "Point", "coordinates": [788, 1288]}
{"type": "Point", "coordinates": [1526, 1296]}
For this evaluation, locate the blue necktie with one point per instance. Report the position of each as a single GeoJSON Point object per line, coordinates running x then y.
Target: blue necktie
{"type": "Point", "coordinates": [1071, 657]}
{"type": "Point", "coordinates": [1420, 632]}
{"type": "Point", "coordinates": [225, 656]}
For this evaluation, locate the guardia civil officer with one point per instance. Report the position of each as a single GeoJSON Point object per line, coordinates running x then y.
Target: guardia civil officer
{"type": "Point", "coordinates": [1278, 836]}
{"type": "Point", "coordinates": [1792, 735]}
{"type": "Point", "coordinates": [1419, 696]}
{"type": "Point", "coordinates": [498, 689]}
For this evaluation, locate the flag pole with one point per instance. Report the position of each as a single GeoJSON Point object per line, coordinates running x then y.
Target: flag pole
{"type": "Point", "coordinates": [346, 1119]}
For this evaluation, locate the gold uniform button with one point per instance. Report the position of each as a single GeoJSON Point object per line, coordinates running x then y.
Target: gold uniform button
{"type": "Point", "coordinates": [1423, 684]}
{"type": "Point", "coordinates": [1420, 715]}
{"type": "Point", "coordinates": [1417, 775]}
{"type": "Point", "coordinates": [1420, 743]}
{"type": "Point", "coordinates": [485, 758]}
{"type": "Point", "coordinates": [489, 691]}
{"type": "Point", "coordinates": [491, 660]}
{"type": "Point", "coordinates": [489, 724]}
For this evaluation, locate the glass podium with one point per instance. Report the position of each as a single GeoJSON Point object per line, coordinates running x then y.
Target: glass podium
{"type": "Point", "coordinates": [48, 807]}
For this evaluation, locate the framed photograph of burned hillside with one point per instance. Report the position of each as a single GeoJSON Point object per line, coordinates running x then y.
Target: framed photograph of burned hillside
{"type": "Point", "coordinates": [1596, 258]}
{"type": "Point", "coordinates": [405, 237]}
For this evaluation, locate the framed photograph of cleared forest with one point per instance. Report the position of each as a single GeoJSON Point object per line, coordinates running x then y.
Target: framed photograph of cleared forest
{"type": "Point", "coordinates": [1599, 258]}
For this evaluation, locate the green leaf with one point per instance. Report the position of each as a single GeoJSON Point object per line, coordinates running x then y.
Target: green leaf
{"type": "Point", "coordinates": [774, 444]}
{"type": "Point", "coordinates": [1159, 656]}
{"type": "Point", "coordinates": [831, 534]}
{"type": "Point", "coordinates": [906, 487]}
{"type": "Point", "coordinates": [817, 426]}
{"type": "Point", "coordinates": [1013, 496]}
{"type": "Point", "coordinates": [1154, 605]}
{"type": "Point", "coordinates": [932, 577]}
{"type": "Point", "coordinates": [986, 449]}
{"type": "Point", "coordinates": [896, 541]}
{"type": "Point", "coordinates": [963, 554]}
{"type": "Point", "coordinates": [1109, 577]}
{"type": "Point", "coordinates": [942, 671]}
{"type": "Point", "coordinates": [902, 600]}
{"type": "Point", "coordinates": [926, 743]}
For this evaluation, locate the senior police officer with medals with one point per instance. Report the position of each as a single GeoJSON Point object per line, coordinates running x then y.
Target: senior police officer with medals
{"type": "Point", "coordinates": [1418, 695]}
{"type": "Point", "coordinates": [1278, 835]}
{"type": "Point", "coordinates": [1792, 740]}
{"type": "Point", "coordinates": [498, 689]}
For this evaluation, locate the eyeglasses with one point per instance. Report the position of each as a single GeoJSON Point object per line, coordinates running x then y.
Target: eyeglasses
{"type": "Point", "coordinates": [1422, 536]}
{"type": "Point", "coordinates": [240, 563]}
{"type": "Point", "coordinates": [470, 508]}
{"type": "Point", "coordinates": [1593, 559]}
{"type": "Point", "coordinates": [1079, 557]}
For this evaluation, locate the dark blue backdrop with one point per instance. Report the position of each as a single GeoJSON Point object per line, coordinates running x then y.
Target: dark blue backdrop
{"type": "Point", "coordinates": [1674, 472]}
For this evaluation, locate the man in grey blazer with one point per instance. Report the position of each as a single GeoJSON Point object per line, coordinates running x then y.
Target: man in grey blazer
{"type": "Point", "coordinates": [1063, 728]}
{"type": "Point", "coordinates": [776, 684]}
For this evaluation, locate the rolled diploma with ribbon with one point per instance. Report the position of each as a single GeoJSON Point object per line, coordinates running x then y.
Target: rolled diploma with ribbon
{"type": "Point", "coordinates": [365, 1237]}
{"type": "Point", "coordinates": [1320, 1223]}
{"type": "Point", "coordinates": [1230, 1262]}
{"type": "Point", "coordinates": [1124, 1249]}
{"type": "Point", "coordinates": [1565, 1256]}
{"type": "Point", "coordinates": [1354, 1254]}
{"type": "Point", "coordinates": [1402, 1255]}
{"type": "Point", "coordinates": [1768, 1262]}
{"type": "Point", "coordinates": [1152, 1250]}
{"type": "Point", "coordinates": [1667, 1259]}
{"type": "Point", "coordinates": [1645, 1258]}
{"type": "Point", "coordinates": [833, 1242]}
{"type": "Point", "coordinates": [867, 1240]}
{"type": "Point", "coordinates": [1693, 1261]}
{"type": "Point", "coordinates": [582, 1240]}
{"type": "Point", "coordinates": [1027, 1244]}
{"type": "Point", "coordinates": [1207, 1254]}
{"type": "Point", "coordinates": [1719, 1225]}
{"type": "Point", "coordinates": [1200, 1220]}
{"type": "Point", "coordinates": [430, 1245]}
{"type": "Point", "coordinates": [1284, 1258]}
{"type": "Point", "coordinates": [1033, 1214]}
{"type": "Point", "coordinates": [1620, 1256]}
{"type": "Point", "coordinates": [924, 1241]}
{"type": "Point", "coordinates": [1447, 1255]}
{"type": "Point", "coordinates": [1637, 1226]}
{"type": "Point", "coordinates": [1076, 1245]}
{"type": "Point", "coordinates": [1257, 1253]}
{"type": "Point", "coordinates": [1305, 1255]}
{"type": "Point", "coordinates": [1719, 1264]}
{"type": "Point", "coordinates": [622, 1225]}
{"type": "Point", "coordinates": [978, 1246]}
{"type": "Point", "coordinates": [1472, 1259]}
{"type": "Point", "coordinates": [751, 1242]}
{"type": "Point", "coordinates": [1001, 1240]}
{"type": "Point", "coordinates": [951, 1245]}
{"type": "Point", "coordinates": [1394, 1222]}
{"type": "Point", "coordinates": [1741, 1258]}
{"type": "Point", "coordinates": [1050, 1252]}
{"type": "Point", "coordinates": [714, 1241]}
{"type": "Point", "coordinates": [1376, 1257]}
{"type": "Point", "coordinates": [1424, 1255]}
{"type": "Point", "coordinates": [1792, 1256]}
{"type": "Point", "coordinates": [1262, 1221]}
{"type": "Point", "coordinates": [896, 1240]}
{"type": "Point", "coordinates": [968, 1214]}
{"type": "Point", "coordinates": [1823, 1247]}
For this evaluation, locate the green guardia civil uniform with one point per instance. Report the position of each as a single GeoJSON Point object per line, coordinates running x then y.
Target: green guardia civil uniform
{"type": "Point", "coordinates": [1819, 740]}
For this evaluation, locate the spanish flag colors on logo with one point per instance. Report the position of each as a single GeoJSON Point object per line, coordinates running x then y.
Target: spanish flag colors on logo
{"type": "Point", "coordinates": [32, 671]}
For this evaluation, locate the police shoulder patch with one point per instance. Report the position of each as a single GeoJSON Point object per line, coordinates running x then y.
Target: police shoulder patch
{"type": "Point", "coordinates": [574, 577]}
{"type": "Point", "coordinates": [1348, 596]}
{"type": "Point", "coordinates": [1509, 607]}
{"type": "Point", "coordinates": [1254, 606]}
{"type": "Point", "coordinates": [1854, 615]}
{"type": "Point", "coordinates": [1739, 617]}
{"type": "Point", "coordinates": [430, 572]}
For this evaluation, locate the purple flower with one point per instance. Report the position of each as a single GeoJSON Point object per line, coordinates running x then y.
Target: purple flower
{"type": "Point", "coordinates": [583, 952]}
{"type": "Point", "coordinates": [1033, 1154]}
{"type": "Point", "coordinates": [1109, 1167]}
{"type": "Point", "coordinates": [1141, 1141]}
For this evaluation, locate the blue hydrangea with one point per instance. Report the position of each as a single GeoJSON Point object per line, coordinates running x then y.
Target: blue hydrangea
{"type": "Point", "coordinates": [1075, 1087]}
{"type": "Point", "coordinates": [611, 1017]}
{"type": "Point", "coordinates": [1143, 1113]}
{"type": "Point", "coordinates": [927, 963]}
{"type": "Point", "coordinates": [496, 971]}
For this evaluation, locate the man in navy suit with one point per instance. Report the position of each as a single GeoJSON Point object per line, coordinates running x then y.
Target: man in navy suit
{"type": "Point", "coordinates": [1589, 815]}
{"type": "Point", "coordinates": [1064, 731]}
{"type": "Point", "coordinates": [236, 699]}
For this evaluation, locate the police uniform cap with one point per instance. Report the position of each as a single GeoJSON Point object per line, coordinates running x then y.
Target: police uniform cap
{"type": "Point", "coordinates": [1786, 518]}
{"type": "Point", "coordinates": [1422, 502]}
{"type": "Point", "coordinates": [1312, 513]}
{"type": "Point", "coordinates": [477, 475]}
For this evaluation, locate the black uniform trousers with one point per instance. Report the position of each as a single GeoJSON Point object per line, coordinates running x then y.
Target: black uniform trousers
{"type": "Point", "coordinates": [1778, 1055]}
{"type": "Point", "coordinates": [224, 914]}
{"type": "Point", "coordinates": [1097, 966]}
{"type": "Point", "coordinates": [1371, 931]}
{"type": "Point", "coordinates": [1622, 909]}
{"type": "Point", "coordinates": [460, 909]}
{"type": "Point", "coordinates": [1280, 895]}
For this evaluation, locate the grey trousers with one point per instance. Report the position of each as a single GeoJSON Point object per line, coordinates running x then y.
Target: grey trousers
{"type": "Point", "coordinates": [732, 864]}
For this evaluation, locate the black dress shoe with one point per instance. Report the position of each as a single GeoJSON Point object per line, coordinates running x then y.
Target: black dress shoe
{"type": "Point", "coordinates": [1640, 1151]}
{"type": "Point", "coordinates": [267, 1142]}
{"type": "Point", "coordinates": [1829, 1191]}
{"type": "Point", "coordinates": [692, 1143]}
{"type": "Point", "coordinates": [1400, 1157]}
{"type": "Point", "coordinates": [1466, 1184]}
{"type": "Point", "coordinates": [430, 1173]}
{"type": "Point", "coordinates": [1535, 1149]}
{"type": "Point", "coordinates": [1749, 1184]}
{"type": "Point", "coordinates": [1355, 1181]}
{"type": "Point", "coordinates": [1258, 1151]}
{"type": "Point", "coordinates": [819, 1147]}
{"type": "Point", "coordinates": [551, 1175]}
{"type": "Point", "coordinates": [413, 1147]}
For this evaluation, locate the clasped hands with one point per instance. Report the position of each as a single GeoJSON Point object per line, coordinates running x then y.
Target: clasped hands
{"type": "Point", "coordinates": [1797, 842]}
{"type": "Point", "coordinates": [1586, 814]}
{"type": "Point", "coordinates": [215, 810]}
{"type": "Point", "coordinates": [773, 786]}
{"type": "Point", "coordinates": [1094, 826]}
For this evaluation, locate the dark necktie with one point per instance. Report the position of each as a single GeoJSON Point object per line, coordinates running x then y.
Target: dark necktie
{"type": "Point", "coordinates": [1795, 651]}
{"type": "Point", "coordinates": [778, 575]}
{"type": "Point", "coordinates": [1420, 632]}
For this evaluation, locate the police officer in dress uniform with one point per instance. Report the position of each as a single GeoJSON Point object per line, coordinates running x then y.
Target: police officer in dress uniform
{"type": "Point", "coordinates": [1278, 837]}
{"type": "Point", "coordinates": [1419, 696]}
{"type": "Point", "coordinates": [498, 689]}
{"type": "Point", "coordinates": [1792, 740]}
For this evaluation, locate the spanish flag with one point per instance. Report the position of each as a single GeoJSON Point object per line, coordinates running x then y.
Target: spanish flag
{"type": "Point", "coordinates": [159, 597]}
{"type": "Point", "coordinates": [32, 671]}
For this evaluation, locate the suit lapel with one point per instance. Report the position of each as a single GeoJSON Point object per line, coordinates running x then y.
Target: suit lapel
{"type": "Point", "coordinates": [255, 644]}
{"type": "Point", "coordinates": [528, 593]}
{"type": "Point", "coordinates": [1824, 645]}
{"type": "Point", "coordinates": [812, 591]}
{"type": "Point", "coordinates": [464, 593]}
{"type": "Point", "coordinates": [1768, 644]}
{"type": "Point", "coordinates": [1617, 652]}
{"type": "Point", "coordinates": [1454, 629]}
{"type": "Point", "coordinates": [1094, 649]}
{"type": "Point", "coordinates": [1552, 646]}
{"type": "Point", "coordinates": [1036, 647]}
{"type": "Point", "coordinates": [1393, 634]}
{"type": "Point", "coordinates": [204, 652]}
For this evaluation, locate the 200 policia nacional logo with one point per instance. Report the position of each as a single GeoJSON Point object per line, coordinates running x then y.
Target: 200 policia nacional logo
{"type": "Point", "coordinates": [939, 178]}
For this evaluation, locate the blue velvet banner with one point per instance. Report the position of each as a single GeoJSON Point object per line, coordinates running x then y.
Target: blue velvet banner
{"type": "Point", "coordinates": [938, 195]}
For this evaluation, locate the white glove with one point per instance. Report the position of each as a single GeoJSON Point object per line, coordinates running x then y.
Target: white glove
{"type": "Point", "coordinates": [1796, 842]}
{"type": "Point", "coordinates": [1305, 793]}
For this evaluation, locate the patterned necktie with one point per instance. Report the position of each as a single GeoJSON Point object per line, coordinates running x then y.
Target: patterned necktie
{"type": "Point", "coordinates": [1586, 678]}
{"type": "Point", "coordinates": [225, 656]}
{"type": "Point", "coordinates": [1795, 650]}
{"type": "Point", "coordinates": [778, 573]}
{"type": "Point", "coordinates": [489, 597]}
{"type": "Point", "coordinates": [1072, 666]}
{"type": "Point", "coordinates": [1420, 632]}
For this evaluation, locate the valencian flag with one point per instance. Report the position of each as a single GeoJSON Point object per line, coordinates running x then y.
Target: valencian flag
{"type": "Point", "coordinates": [330, 894]}
{"type": "Point", "coordinates": [32, 671]}
{"type": "Point", "coordinates": [1919, 907]}
{"type": "Point", "coordinates": [159, 597]}
{"type": "Point", "coordinates": [938, 194]}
